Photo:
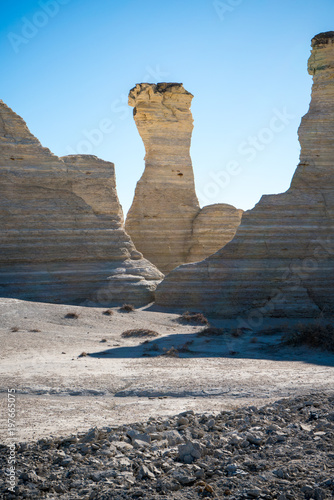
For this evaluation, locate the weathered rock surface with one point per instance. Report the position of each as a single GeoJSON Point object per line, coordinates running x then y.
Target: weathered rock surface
{"type": "Point", "coordinates": [213, 227]}
{"type": "Point", "coordinates": [165, 203]}
{"type": "Point", "coordinates": [283, 451]}
{"type": "Point", "coordinates": [280, 262]}
{"type": "Point", "coordinates": [62, 236]}
{"type": "Point", "coordinates": [165, 212]}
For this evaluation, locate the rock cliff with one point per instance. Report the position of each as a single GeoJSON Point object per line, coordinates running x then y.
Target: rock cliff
{"type": "Point", "coordinates": [62, 234]}
{"type": "Point", "coordinates": [281, 260]}
{"type": "Point", "coordinates": [165, 219]}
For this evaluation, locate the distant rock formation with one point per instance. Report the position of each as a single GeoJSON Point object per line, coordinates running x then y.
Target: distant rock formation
{"type": "Point", "coordinates": [62, 234]}
{"type": "Point", "coordinates": [165, 211]}
{"type": "Point", "coordinates": [281, 260]}
{"type": "Point", "coordinates": [213, 227]}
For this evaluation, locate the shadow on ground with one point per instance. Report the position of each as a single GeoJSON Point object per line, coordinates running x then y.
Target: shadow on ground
{"type": "Point", "coordinates": [193, 345]}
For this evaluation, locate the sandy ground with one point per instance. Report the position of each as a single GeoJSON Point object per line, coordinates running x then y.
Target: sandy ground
{"type": "Point", "coordinates": [123, 380]}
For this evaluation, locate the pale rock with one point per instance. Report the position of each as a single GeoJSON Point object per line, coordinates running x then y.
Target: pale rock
{"type": "Point", "coordinates": [165, 220]}
{"type": "Point", "coordinates": [213, 227]}
{"type": "Point", "coordinates": [62, 237]}
{"type": "Point", "coordinates": [280, 262]}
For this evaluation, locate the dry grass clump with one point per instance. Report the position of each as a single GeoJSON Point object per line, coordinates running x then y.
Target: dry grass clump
{"type": "Point", "coordinates": [171, 353]}
{"type": "Point", "coordinates": [140, 332]}
{"type": "Point", "coordinates": [211, 331]}
{"type": "Point", "coordinates": [193, 317]}
{"type": "Point", "coordinates": [237, 332]}
{"type": "Point", "coordinates": [127, 308]}
{"type": "Point", "coordinates": [316, 335]}
{"type": "Point", "coordinates": [35, 330]}
{"type": "Point", "coordinates": [186, 347]}
{"type": "Point", "coordinates": [108, 312]}
{"type": "Point", "coordinates": [72, 315]}
{"type": "Point", "coordinates": [83, 355]}
{"type": "Point", "coordinates": [14, 329]}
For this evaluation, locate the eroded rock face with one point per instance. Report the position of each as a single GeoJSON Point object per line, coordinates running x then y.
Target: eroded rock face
{"type": "Point", "coordinates": [62, 235]}
{"type": "Point", "coordinates": [165, 203]}
{"type": "Point", "coordinates": [165, 219]}
{"type": "Point", "coordinates": [213, 227]}
{"type": "Point", "coordinates": [281, 260]}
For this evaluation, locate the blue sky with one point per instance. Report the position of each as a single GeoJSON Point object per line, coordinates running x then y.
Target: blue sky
{"type": "Point", "coordinates": [68, 65]}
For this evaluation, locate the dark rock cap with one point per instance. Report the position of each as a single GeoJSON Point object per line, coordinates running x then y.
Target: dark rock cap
{"type": "Point", "coordinates": [323, 38]}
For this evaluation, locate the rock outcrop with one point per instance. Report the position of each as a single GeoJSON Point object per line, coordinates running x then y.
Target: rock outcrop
{"type": "Point", "coordinates": [165, 213]}
{"type": "Point", "coordinates": [62, 234]}
{"type": "Point", "coordinates": [165, 203]}
{"type": "Point", "coordinates": [281, 260]}
{"type": "Point", "coordinates": [213, 227]}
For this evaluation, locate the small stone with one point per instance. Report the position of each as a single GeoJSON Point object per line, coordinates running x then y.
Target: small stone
{"type": "Point", "coordinates": [189, 452]}
{"type": "Point", "coordinates": [144, 472]}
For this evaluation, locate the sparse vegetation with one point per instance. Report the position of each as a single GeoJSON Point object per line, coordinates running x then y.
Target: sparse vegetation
{"type": "Point", "coordinates": [103, 340]}
{"type": "Point", "coordinates": [14, 329]}
{"type": "Point", "coordinates": [237, 332]}
{"type": "Point", "coordinates": [316, 335]}
{"type": "Point", "coordinates": [72, 315]}
{"type": "Point", "coordinates": [185, 347]}
{"type": "Point", "coordinates": [108, 312]}
{"type": "Point", "coordinates": [83, 354]}
{"type": "Point", "coordinates": [140, 332]}
{"type": "Point", "coordinates": [193, 317]}
{"type": "Point", "coordinates": [127, 308]}
{"type": "Point", "coordinates": [211, 331]}
{"type": "Point", "coordinates": [171, 353]}
{"type": "Point", "coordinates": [34, 330]}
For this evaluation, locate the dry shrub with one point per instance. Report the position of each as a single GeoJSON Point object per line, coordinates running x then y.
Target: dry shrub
{"type": "Point", "coordinates": [14, 329]}
{"type": "Point", "coordinates": [171, 353]}
{"type": "Point", "coordinates": [82, 355]}
{"type": "Point", "coordinates": [237, 332]}
{"type": "Point", "coordinates": [35, 330]}
{"type": "Point", "coordinates": [108, 312]}
{"type": "Point", "coordinates": [185, 347]}
{"type": "Point", "coordinates": [103, 340]}
{"type": "Point", "coordinates": [316, 335]}
{"type": "Point", "coordinates": [140, 332]}
{"type": "Point", "coordinates": [127, 308]}
{"type": "Point", "coordinates": [72, 315]}
{"type": "Point", "coordinates": [193, 317]}
{"type": "Point", "coordinates": [211, 331]}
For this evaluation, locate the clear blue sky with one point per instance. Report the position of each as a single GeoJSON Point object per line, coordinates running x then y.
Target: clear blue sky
{"type": "Point", "coordinates": [68, 65]}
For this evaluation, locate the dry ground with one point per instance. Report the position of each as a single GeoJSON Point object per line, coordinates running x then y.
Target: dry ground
{"type": "Point", "coordinates": [124, 380]}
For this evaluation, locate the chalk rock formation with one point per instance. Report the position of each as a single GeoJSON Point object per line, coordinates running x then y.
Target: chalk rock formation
{"type": "Point", "coordinates": [281, 260]}
{"type": "Point", "coordinates": [62, 235]}
{"type": "Point", "coordinates": [213, 227]}
{"type": "Point", "coordinates": [165, 212]}
{"type": "Point", "coordinates": [165, 203]}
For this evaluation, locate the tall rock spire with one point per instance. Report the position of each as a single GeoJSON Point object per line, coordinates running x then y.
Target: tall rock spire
{"type": "Point", "coordinates": [165, 220]}
{"type": "Point", "coordinates": [281, 260]}
{"type": "Point", "coordinates": [165, 203]}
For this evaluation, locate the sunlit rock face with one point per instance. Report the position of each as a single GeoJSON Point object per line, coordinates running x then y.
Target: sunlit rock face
{"type": "Point", "coordinates": [165, 220]}
{"type": "Point", "coordinates": [281, 260]}
{"type": "Point", "coordinates": [62, 234]}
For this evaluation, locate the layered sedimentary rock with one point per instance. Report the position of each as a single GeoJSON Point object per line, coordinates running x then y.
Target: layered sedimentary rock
{"type": "Point", "coordinates": [165, 203]}
{"type": "Point", "coordinates": [62, 234]}
{"type": "Point", "coordinates": [165, 214]}
{"type": "Point", "coordinates": [281, 260]}
{"type": "Point", "coordinates": [213, 227]}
